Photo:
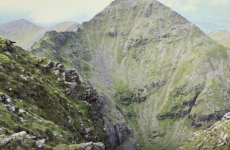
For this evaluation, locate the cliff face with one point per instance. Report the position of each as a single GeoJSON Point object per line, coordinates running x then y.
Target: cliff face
{"type": "Point", "coordinates": [165, 76]}
{"type": "Point", "coordinates": [43, 105]}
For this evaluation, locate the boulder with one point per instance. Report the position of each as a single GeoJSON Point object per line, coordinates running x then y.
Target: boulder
{"type": "Point", "coordinates": [40, 143]}
{"type": "Point", "coordinates": [87, 146]}
{"type": "Point", "coordinates": [98, 146]}
{"type": "Point", "coordinates": [6, 140]}
{"type": "Point", "coordinates": [22, 133]}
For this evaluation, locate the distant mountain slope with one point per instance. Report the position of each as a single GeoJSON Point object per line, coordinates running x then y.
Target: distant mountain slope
{"type": "Point", "coordinates": [26, 33]}
{"type": "Point", "coordinates": [23, 32]}
{"type": "Point", "coordinates": [222, 37]}
{"type": "Point", "coordinates": [61, 27]}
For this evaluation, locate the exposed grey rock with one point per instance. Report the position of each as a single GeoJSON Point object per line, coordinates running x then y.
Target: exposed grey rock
{"type": "Point", "coordinates": [21, 111]}
{"type": "Point", "coordinates": [1, 67]}
{"type": "Point", "coordinates": [87, 130]}
{"type": "Point", "coordinates": [29, 136]}
{"type": "Point", "coordinates": [21, 142]}
{"type": "Point", "coordinates": [9, 107]}
{"type": "Point", "coordinates": [56, 134]}
{"type": "Point", "coordinates": [98, 146]}
{"type": "Point", "coordinates": [87, 146]}
{"type": "Point", "coordinates": [6, 140]}
{"type": "Point", "coordinates": [57, 72]}
{"type": "Point", "coordinates": [40, 143]}
{"type": "Point", "coordinates": [12, 66]}
{"type": "Point", "coordinates": [23, 77]}
{"type": "Point", "coordinates": [60, 66]}
{"type": "Point", "coordinates": [8, 53]}
{"type": "Point", "coordinates": [22, 133]}
{"type": "Point", "coordinates": [70, 121]}
{"type": "Point", "coordinates": [8, 101]}
{"type": "Point", "coordinates": [226, 116]}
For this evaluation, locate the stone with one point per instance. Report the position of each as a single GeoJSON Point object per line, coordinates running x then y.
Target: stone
{"type": "Point", "coordinates": [1, 67]}
{"type": "Point", "coordinates": [57, 72]}
{"type": "Point", "coordinates": [23, 77]}
{"type": "Point", "coordinates": [6, 140]}
{"type": "Point", "coordinates": [60, 66]}
{"type": "Point", "coordinates": [21, 111]}
{"type": "Point", "coordinates": [50, 64]}
{"type": "Point", "coordinates": [12, 66]}
{"type": "Point", "coordinates": [8, 53]}
{"type": "Point", "coordinates": [87, 130]}
{"type": "Point", "coordinates": [21, 142]}
{"type": "Point", "coordinates": [98, 146]}
{"type": "Point", "coordinates": [28, 136]}
{"type": "Point", "coordinates": [9, 107]}
{"type": "Point", "coordinates": [87, 146]}
{"type": "Point", "coordinates": [22, 133]}
{"type": "Point", "coordinates": [226, 116]}
{"type": "Point", "coordinates": [8, 101]}
{"type": "Point", "coordinates": [56, 134]}
{"type": "Point", "coordinates": [40, 143]}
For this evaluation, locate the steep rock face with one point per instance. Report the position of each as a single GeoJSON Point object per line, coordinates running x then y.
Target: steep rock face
{"type": "Point", "coordinates": [163, 73]}
{"type": "Point", "coordinates": [42, 105]}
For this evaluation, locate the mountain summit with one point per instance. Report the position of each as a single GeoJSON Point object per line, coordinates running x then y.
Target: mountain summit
{"type": "Point", "coordinates": [26, 33]}
{"type": "Point", "coordinates": [23, 32]}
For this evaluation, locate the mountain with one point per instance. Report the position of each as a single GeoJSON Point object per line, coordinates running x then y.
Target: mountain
{"type": "Point", "coordinates": [45, 106]}
{"type": "Point", "coordinates": [26, 33]}
{"type": "Point", "coordinates": [166, 77]}
{"type": "Point", "coordinates": [222, 37]}
{"type": "Point", "coordinates": [64, 26]}
{"type": "Point", "coordinates": [23, 32]}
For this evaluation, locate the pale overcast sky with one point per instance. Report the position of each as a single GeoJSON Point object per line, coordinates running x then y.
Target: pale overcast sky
{"type": "Point", "coordinates": [209, 15]}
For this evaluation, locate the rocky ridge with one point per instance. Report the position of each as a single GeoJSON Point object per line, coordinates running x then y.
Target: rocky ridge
{"type": "Point", "coordinates": [45, 106]}
{"type": "Point", "coordinates": [216, 137]}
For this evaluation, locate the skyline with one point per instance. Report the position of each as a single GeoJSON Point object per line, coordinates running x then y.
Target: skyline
{"type": "Point", "coordinates": [209, 15]}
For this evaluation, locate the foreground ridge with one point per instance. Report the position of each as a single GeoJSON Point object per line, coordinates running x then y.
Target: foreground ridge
{"type": "Point", "coordinates": [43, 105]}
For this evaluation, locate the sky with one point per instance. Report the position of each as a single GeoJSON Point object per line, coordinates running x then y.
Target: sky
{"type": "Point", "coordinates": [210, 15]}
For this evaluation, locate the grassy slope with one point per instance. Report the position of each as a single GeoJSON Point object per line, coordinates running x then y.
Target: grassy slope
{"type": "Point", "coordinates": [61, 27]}
{"type": "Point", "coordinates": [222, 37]}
